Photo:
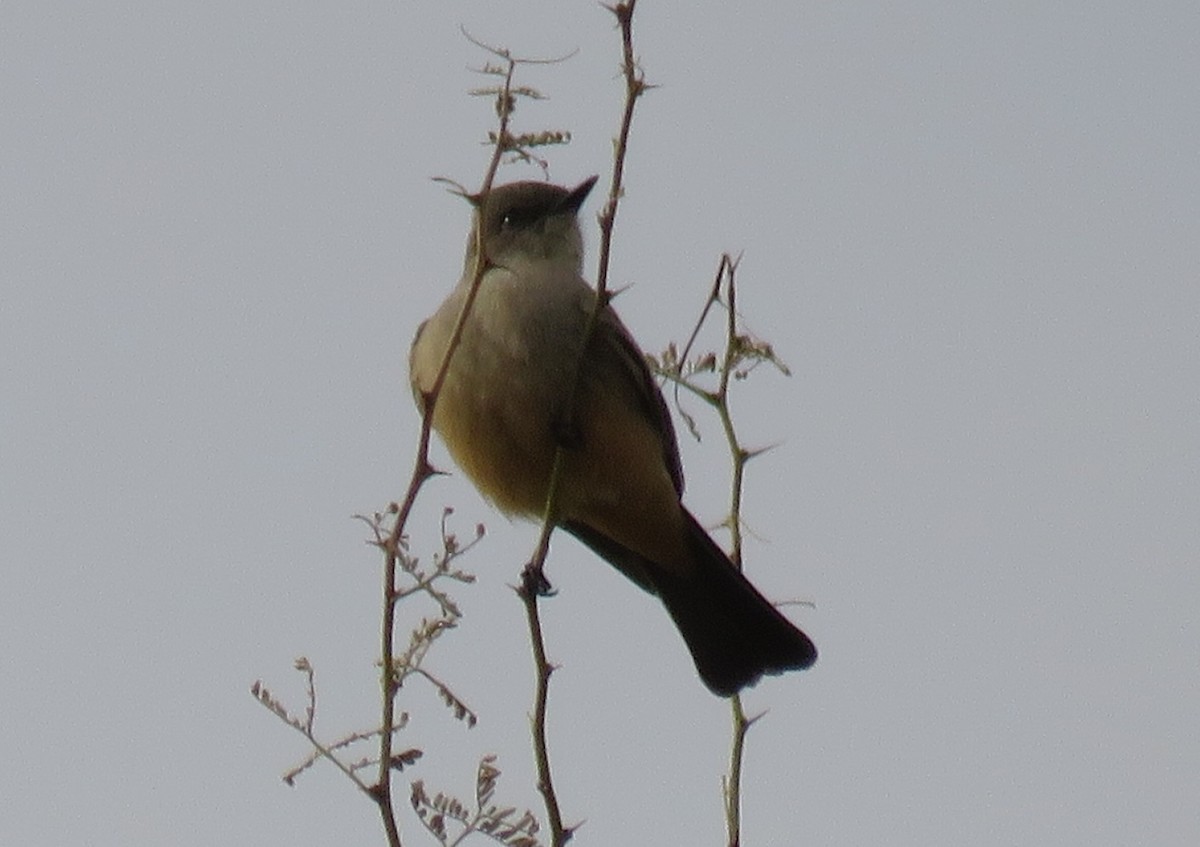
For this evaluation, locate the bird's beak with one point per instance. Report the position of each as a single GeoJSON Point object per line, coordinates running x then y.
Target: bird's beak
{"type": "Point", "coordinates": [579, 193]}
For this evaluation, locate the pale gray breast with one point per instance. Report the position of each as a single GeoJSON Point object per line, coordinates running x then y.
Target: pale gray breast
{"type": "Point", "coordinates": [521, 340]}
{"type": "Point", "coordinates": [529, 324]}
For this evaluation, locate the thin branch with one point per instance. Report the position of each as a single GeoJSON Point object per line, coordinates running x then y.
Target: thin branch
{"type": "Point", "coordinates": [533, 580]}
{"type": "Point", "coordinates": [732, 783]}
{"type": "Point", "coordinates": [738, 458]}
{"type": "Point", "coordinates": [738, 454]}
{"type": "Point", "coordinates": [681, 371]}
{"type": "Point", "coordinates": [529, 593]}
{"type": "Point", "coordinates": [499, 823]}
{"type": "Point", "coordinates": [422, 470]}
{"type": "Point", "coordinates": [304, 726]}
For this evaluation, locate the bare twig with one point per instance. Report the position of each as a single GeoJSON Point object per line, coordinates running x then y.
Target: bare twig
{"type": "Point", "coordinates": [305, 726]}
{"type": "Point", "coordinates": [442, 812]}
{"type": "Point", "coordinates": [533, 580]}
{"type": "Point", "coordinates": [403, 665]}
{"type": "Point", "coordinates": [740, 355]}
{"type": "Point", "coordinates": [422, 469]}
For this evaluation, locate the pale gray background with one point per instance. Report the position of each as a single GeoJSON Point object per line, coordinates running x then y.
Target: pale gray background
{"type": "Point", "coordinates": [971, 230]}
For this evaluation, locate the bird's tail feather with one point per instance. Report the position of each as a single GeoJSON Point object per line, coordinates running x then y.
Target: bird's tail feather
{"type": "Point", "coordinates": [735, 635]}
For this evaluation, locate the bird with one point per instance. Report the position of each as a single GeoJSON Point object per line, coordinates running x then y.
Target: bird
{"type": "Point", "coordinates": [502, 412]}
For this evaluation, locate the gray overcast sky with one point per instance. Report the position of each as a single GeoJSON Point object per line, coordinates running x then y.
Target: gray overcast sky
{"type": "Point", "coordinates": [973, 231]}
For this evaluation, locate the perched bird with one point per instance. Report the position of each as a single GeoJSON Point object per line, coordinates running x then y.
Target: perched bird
{"type": "Point", "coordinates": [501, 413]}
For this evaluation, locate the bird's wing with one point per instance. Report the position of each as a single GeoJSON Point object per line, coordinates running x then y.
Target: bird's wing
{"type": "Point", "coordinates": [625, 355]}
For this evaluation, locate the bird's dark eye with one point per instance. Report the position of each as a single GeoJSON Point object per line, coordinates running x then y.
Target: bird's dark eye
{"type": "Point", "coordinates": [518, 218]}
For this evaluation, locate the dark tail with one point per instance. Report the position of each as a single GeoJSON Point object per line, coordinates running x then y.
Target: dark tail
{"type": "Point", "coordinates": [734, 633]}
